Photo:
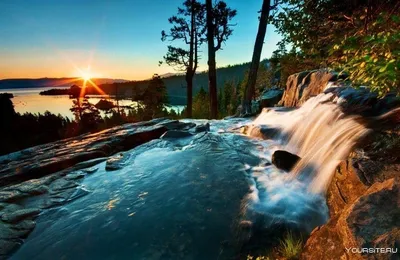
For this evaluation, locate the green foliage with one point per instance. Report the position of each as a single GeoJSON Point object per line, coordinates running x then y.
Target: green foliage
{"type": "Point", "coordinates": [227, 99]}
{"type": "Point", "coordinates": [372, 57]}
{"type": "Point", "coordinates": [358, 37]}
{"type": "Point", "coordinates": [201, 105]}
{"type": "Point", "coordinates": [290, 246]}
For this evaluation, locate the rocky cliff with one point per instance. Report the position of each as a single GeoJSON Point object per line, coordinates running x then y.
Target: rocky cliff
{"type": "Point", "coordinates": [301, 86]}
{"type": "Point", "coordinates": [364, 194]}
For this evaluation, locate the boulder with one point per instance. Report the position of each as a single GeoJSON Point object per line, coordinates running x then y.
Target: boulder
{"type": "Point", "coordinates": [260, 131]}
{"type": "Point", "coordinates": [202, 128]}
{"type": "Point", "coordinates": [372, 221]}
{"type": "Point", "coordinates": [270, 97]}
{"type": "Point", "coordinates": [284, 160]}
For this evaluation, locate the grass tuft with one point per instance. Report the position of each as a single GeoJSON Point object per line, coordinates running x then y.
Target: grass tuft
{"type": "Point", "coordinates": [291, 246]}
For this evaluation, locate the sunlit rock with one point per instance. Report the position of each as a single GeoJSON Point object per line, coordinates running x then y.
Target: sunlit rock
{"type": "Point", "coordinates": [372, 221]}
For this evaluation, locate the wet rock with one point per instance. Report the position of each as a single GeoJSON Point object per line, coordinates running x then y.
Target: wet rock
{"type": "Point", "coordinates": [75, 175]}
{"type": "Point", "coordinates": [10, 195]}
{"type": "Point", "coordinates": [31, 187]}
{"type": "Point", "coordinates": [177, 125]}
{"type": "Point", "coordinates": [79, 152]}
{"type": "Point", "coordinates": [9, 207]}
{"type": "Point", "coordinates": [263, 132]}
{"type": "Point", "coordinates": [117, 162]}
{"type": "Point", "coordinates": [90, 163]}
{"type": "Point", "coordinates": [62, 184]}
{"type": "Point", "coordinates": [16, 231]}
{"type": "Point", "coordinates": [175, 134]}
{"type": "Point", "coordinates": [78, 193]}
{"type": "Point", "coordinates": [90, 170]}
{"type": "Point", "coordinates": [372, 221]}
{"type": "Point", "coordinates": [7, 247]}
{"type": "Point", "coordinates": [19, 215]}
{"type": "Point", "coordinates": [202, 128]}
{"type": "Point", "coordinates": [284, 160]}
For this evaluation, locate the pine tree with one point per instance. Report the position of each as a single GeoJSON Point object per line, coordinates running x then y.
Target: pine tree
{"type": "Point", "coordinates": [187, 26]}
{"type": "Point", "coordinates": [218, 31]}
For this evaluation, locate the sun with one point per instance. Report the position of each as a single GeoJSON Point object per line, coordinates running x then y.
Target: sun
{"type": "Point", "coordinates": [85, 75]}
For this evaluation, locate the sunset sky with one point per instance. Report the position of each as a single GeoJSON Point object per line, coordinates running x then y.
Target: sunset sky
{"type": "Point", "coordinates": [116, 39]}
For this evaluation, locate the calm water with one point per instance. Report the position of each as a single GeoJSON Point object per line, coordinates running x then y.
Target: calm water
{"type": "Point", "coordinates": [29, 100]}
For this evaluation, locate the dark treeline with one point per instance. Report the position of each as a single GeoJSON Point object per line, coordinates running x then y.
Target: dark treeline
{"type": "Point", "coordinates": [19, 131]}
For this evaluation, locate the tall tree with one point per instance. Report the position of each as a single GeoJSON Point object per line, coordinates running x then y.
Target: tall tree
{"type": "Point", "coordinates": [186, 27]}
{"type": "Point", "coordinates": [249, 91]}
{"type": "Point", "coordinates": [155, 97]}
{"type": "Point", "coordinates": [218, 31]}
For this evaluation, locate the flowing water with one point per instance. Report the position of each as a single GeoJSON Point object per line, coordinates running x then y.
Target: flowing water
{"type": "Point", "coordinates": [322, 136]}
{"type": "Point", "coordinates": [185, 198]}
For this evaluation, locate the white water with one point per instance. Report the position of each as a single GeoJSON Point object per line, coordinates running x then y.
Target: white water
{"type": "Point", "coordinates": [322, 136]}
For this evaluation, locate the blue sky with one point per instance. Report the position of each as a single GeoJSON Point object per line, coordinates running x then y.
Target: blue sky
{"type": "Point", "coordinates": [115, 38]}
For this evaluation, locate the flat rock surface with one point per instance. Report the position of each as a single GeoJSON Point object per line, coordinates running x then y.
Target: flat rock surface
{"type": "Point", "coordinates": [169, 200]}
{"type": "Point", "coordinates": [46, 159]}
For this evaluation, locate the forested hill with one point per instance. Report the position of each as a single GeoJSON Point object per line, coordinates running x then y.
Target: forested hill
{"type": "Point", "coordinates": [176, 85]}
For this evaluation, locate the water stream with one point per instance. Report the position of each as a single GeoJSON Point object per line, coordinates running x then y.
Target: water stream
{"type": "Point", "coordinates": [185, 198]}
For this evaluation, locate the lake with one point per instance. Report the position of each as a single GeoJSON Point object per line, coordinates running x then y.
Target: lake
{"type": "Point", "coordinates": [29, 100]}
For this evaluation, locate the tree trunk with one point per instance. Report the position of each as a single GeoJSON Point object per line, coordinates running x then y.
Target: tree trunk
{"type": "Point", "coordinates": [189, 84]}
{"type": "Point", "coordinates": [212, 73]}
{"type": "Point", "coordinates": [190, 68]}
{"type": "Point", "coordinates": [249, 91]}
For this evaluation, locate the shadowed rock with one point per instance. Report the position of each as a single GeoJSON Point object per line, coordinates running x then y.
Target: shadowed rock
{"type": "Point", "coordinates": [202, 128]}
{"type": "Point", "coordinates": [19, 215]}
{"type": "Point", "coordinates": [284, 160]}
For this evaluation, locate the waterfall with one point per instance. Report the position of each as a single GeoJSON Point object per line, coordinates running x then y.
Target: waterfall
{"type": "Point", "coordinates": [322, 135]}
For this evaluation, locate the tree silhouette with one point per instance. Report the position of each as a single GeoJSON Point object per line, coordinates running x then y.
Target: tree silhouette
{"type": "Point", "coordinates": [218, 31]}
{"type": "Point", "coordinates": [186, 27]}
{"type": "Point", "coordinates": [86, 114]}
{"type": "Point", "coordinates": [155, 97]}
{"type": "Point", "coordinates": [7, 112]}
